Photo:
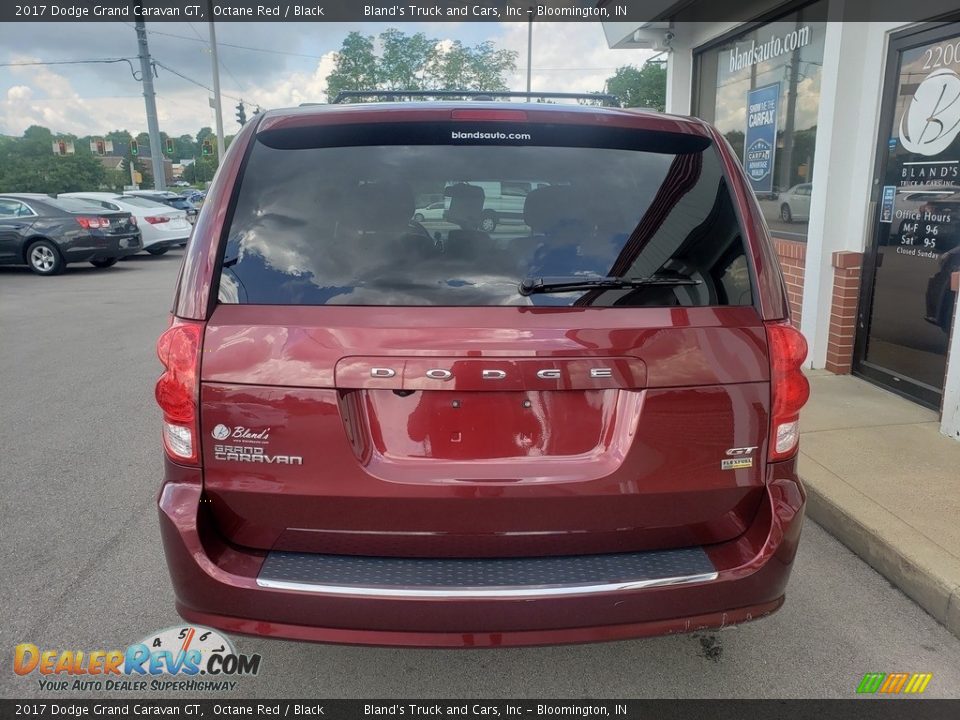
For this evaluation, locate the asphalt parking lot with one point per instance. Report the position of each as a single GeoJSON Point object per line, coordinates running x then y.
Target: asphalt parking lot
{"type": "Point", "coordinates": [82, 565]}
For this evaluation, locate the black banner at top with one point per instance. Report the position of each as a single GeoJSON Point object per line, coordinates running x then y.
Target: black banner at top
{"type": "Point", "coordinates": [627, 11]}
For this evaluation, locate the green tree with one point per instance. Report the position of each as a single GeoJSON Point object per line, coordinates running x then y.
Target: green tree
{"type": "Point", "coordinates": [185, 147]}
{"type": "Point", "coordinates": [27, 164]}
{"type": "Point", "coordinates": [118, 136]}
{"type": "Point", "coordinates": [121, 143]}
{"type": "Point", "coordinates": [200, 171]}
{"type": "Point", "coordinates": [356, 66]}
{"type": "Point", "coordinates": [644, 87]}
{"type": "Point", "coordinates": [404, 60]}
{"type": "Point", "coordinates": [117, 179]}
{"type": "Point", "coordinates": [417, 62]}
{"type": "Point", "coordinates": [202, 134]}
{"type": "Point", "coordinates": [481, 67]}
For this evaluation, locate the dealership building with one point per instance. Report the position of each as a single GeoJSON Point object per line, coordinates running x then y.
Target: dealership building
{"type": "Point", "coordinates": [850, 134]}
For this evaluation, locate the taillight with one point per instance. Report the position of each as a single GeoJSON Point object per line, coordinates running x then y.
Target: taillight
{"type": "Point", "coordinates": [177, 389]}
{"type": "Point", "coordinates": [156, 219]}
{"type": "Point", "coordinates": [789, 388]}
{"type": "Point", "coordinates": [92, 222]}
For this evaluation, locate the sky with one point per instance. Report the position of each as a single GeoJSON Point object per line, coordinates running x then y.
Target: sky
{"type": "Point", "coordinates": [279, 65]}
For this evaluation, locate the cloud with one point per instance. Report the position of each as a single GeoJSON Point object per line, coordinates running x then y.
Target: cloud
{"type": "Point", "coordinates": [298, 87]}
{"type": "Point", "coordinates": [19, 94]}
{"type": "Point", "coordinates": [567, 56]}
{"type": "Point", "coordinates": [95, 98]}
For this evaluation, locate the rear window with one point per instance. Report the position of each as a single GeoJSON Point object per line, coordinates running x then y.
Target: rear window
{"type": "Point", "coordinates": [75, 205]}
{"type": "Point", "coordinates": [326, 216]}
{"type": "Point", "coordinates": [140, 202]}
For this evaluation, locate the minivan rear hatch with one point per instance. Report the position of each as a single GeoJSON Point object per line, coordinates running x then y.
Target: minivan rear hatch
{"type": "Point", "coordinates": [589, 377]}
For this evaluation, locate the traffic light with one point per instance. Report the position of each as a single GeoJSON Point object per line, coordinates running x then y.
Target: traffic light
{"type": "Point", "coordinates": [207, 148]}
{"type": "Point", "coordinates": [241, 113]}
{"type": "Point", "coordinates": [134, 148]}
{"type": "Point", "coordinates": [169, 146]}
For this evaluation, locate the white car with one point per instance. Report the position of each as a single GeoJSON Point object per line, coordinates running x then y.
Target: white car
{"type": "Point", "coordinates": [161, 226]}
{"type": "Point", "coordinates": [433, 211]}
{"type": "Point", "coordinates": [795, 203]}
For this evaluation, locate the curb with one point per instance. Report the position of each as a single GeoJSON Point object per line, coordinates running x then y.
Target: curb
{"type": "Point", "coordinates": [924, 571]}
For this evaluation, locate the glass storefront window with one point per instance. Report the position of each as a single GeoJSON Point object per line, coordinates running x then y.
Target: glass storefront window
{"type": "Point", "coordinates": [917, 245]}
{"type": "Point", "coordinates": [761, 89]}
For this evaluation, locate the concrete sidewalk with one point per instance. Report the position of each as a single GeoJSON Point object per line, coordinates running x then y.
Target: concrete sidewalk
{"type": "Point", "coordinates": [883, 480]}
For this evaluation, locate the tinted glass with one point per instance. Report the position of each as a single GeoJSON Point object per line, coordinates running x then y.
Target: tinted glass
{"type": "Point", "coordinates": [74, 205]}
{"type": "Point", "coordinates": [917, 242]}
{"type": "Point", "coordinates": [141, 202]}
{"type": "Point", "coordinates": [10, 208]}
{"type": "Point", "coordinates": [333, 225]}
{"type": "Point", "coordinates": [761, 89]}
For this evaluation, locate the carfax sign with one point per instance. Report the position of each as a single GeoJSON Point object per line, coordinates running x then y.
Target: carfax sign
{"type": "Point", "coordinates": [760, 142]}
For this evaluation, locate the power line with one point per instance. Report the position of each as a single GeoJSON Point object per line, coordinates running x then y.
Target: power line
{"type": "Point", "coordinates": [67, 62]}
{"type": "Point", "coordinates": [240, 86]}
{"type": "Point", "coordinates": [239, 47]}
{"type": "Point", "coordinates": [191, 80]}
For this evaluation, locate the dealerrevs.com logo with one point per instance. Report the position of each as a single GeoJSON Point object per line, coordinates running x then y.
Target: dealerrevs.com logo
{"type": "Point", "coordinates": [183, 658]}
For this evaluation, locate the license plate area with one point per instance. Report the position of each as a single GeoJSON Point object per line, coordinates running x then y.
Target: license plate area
{"type": "Point", "coordinates": [453, 425]}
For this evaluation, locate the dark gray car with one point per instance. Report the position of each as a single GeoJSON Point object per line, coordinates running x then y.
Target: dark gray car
{"type": "Point", "coordinates": [46, 233]}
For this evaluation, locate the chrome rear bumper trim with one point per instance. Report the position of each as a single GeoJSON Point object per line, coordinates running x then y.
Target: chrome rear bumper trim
{"type": "Point", "coordinates": [484, 592]}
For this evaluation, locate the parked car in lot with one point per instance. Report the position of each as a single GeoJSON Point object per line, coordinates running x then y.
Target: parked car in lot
{"type": "Point", "coordinates": [161, 226]}
{"type": "Point", "coordinates": [583, 430]}
{"type": "Point", "coordinates": [502, 200]}
{"type": "Point", "coordinates": [169, 198]}
{"type": "Point", "coordinates": [432, 213]}
{"type": "Point", "coordinates": [194, 196]}
{"type": "Point", "coordinates": [45, 233]}
{"type": "Point", "coordinates": [795, 203]}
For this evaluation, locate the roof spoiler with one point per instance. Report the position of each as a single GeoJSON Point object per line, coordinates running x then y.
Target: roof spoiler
{"type": "Point", "coordinates": [478, 95]}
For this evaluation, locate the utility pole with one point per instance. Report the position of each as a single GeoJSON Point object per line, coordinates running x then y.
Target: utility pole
{"type": "Point", "coordinates": [529, 48]}
{"type": "Point", "coordinates": [218, 111]}
{"type": "Point", "coordinates": [153, 127]}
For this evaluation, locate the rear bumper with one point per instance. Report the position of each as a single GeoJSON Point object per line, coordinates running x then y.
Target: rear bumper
{"type": "Point", "coordinates": [216, 584]}
{"type": "Point", "coordinates": [102, 248]}
{"type": "Point", "coordinates": [163, 242]}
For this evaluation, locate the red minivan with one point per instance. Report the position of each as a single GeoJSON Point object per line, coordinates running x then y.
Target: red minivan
{"type": "Point", "coordinates": [579, 424]}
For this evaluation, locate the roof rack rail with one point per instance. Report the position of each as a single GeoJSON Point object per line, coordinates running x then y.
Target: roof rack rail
{"type": "Point", "coordinates": [605, 98]}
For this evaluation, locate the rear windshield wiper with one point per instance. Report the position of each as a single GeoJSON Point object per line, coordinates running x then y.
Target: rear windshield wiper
{"type": "Point", "coordinates": [532, 286]}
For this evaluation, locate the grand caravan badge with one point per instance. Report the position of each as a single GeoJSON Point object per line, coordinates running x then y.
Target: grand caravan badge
{"type": "Point", "coordinates": [247, 446]}
{"type": "Point", "coordinates": [931, 119]}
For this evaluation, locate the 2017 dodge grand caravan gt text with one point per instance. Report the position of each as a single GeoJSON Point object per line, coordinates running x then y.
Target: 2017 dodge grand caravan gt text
{"type": "Point", "coordinates": [578, 427]}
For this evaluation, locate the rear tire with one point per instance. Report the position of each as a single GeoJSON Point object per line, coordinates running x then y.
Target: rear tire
{"type": "Point", "coordinates": [44, 258]}
{"type": "Point", "coordinates": [157, 251]}
{"type": "Point", "coordinates": [488, 221]}
{"type": "Point", "coordinates": [105, 263]}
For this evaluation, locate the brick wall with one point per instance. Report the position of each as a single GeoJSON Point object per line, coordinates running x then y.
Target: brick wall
{"type": "Point", "coordinates": [793, 258]}
{"type": "Point", "coordinates": [843, 311]}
